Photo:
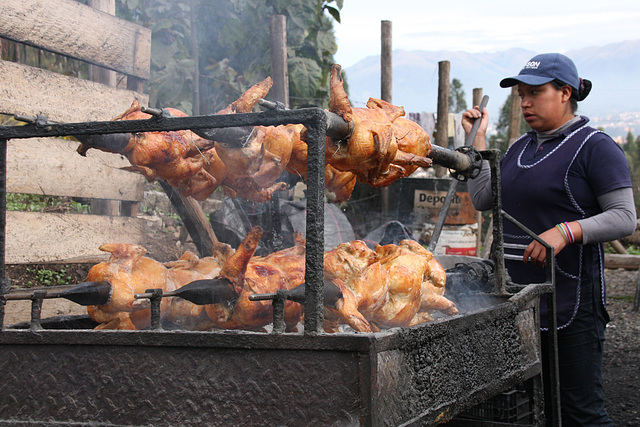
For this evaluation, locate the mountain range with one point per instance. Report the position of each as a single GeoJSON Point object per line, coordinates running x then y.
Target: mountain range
{"type": "Point", "coordinates": [613, 104]}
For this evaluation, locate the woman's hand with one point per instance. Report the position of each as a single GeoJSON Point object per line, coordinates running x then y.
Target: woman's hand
{"type": "Point", "coordinates": [536, 253]}
{"type": "Point", "coordinates": [469, 117]}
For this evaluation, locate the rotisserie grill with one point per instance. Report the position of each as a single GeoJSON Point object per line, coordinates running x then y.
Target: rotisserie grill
{"type": "Point", "coordinates": [62, 371]}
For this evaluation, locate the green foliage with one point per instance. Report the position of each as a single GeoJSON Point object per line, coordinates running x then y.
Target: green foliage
{"type": "Point", "coordinates": [41, 203]}
{"type": "Point", "coordinates": [233, 48]}
{"type": "Point", "coordinates": [457, 103]}
{"type": "Point", "coordinates": [28, 55]}
{"type": "Point", "coordinates": [500, 139]}
{"type": "Point", "coordinates": [46, 277]}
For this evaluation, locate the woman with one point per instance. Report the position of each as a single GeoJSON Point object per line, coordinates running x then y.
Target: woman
{"type": "Point", "coordinates": [570, 184]}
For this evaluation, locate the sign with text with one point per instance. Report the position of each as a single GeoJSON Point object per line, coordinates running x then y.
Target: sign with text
{"type": "Point", "coordinates": [428, 203]}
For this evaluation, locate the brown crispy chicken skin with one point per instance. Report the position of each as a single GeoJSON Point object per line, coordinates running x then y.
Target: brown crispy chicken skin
{"type": "Point", "coordinates": [259, 275]}
{"type": "Point", "coordinates": [382, 147]}
{"type": "Point", "coordinates": [129, 272]}
{"type": "Point", "coordinates": [181, 157]}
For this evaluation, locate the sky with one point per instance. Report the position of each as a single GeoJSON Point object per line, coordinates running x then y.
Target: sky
{"type": "Point", "coordinates": [484, 25]}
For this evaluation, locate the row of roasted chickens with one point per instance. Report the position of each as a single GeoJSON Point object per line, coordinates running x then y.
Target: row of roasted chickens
{"type": "Point", "coordinates": [392, 286]}
{"type": "Point", "coordinates": [381, 147]}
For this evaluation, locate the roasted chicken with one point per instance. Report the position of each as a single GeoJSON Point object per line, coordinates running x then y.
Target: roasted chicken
{"type": "Point", "coordinates": [381, 147]}
{"type": "Point", "coordinates": [185, 160]}
{"type": "Point", "coordinates": [358, 267]}
{"type": "Point", "coordinates": [406, 266]}
{"type": "Point", "coordinates": [189, 268]}
{"type": "Point", "coordinates": [394, 286]}
{"type": "Point", "coordinates": [253, 170]}
{"type": "Point", "coordinates": [339, 183]}
{"type": "Point", "coordinates": [129, 272]}
{"type": "Point", "coordinates": [259, 275]}
{"type": "Point", "coordinates": [378, 151]}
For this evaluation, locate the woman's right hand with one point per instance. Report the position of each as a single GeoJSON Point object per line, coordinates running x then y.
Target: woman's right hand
{"type": "Point", "coordinates": [469, 117]}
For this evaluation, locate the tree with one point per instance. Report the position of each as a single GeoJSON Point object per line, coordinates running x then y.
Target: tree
{"type": "Point", "coordinates": [500, 139]}
{"type": "Point", "coordinates": [233, 48]}
{"type": "Point", "coordinates": [457, 104]}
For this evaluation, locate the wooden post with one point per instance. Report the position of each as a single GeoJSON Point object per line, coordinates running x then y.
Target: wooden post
{"type": "Point", "coordinates": [99, 74]}
{"type": "Point", "coordinates": [386, 89]}
{"type": "Point", "coordinates": [196, 60]}
{"type": "Point", "coordinates": [476, 99]}
{"type": "Point", "coordinates": [278, 47]}
{"type": "Point", "coordinates": [386, 62]}
{"type": "Point", "coordinates": [442, 123]}
{"type": "Point", "coordinates": [515, 113]}
{"type": "Point", "coordinates": [280, 93]}
{"type": "Point", "coordinates": [477, 96]}
{"type": "Point", "coordinates": [107, 77]}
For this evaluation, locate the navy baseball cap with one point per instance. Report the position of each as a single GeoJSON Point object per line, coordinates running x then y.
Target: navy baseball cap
{"type": "Point", "coordinates": [545, 68]}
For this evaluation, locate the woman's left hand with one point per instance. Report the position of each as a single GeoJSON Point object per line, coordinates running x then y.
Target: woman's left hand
{"type": "Point", "coordinates": [536, 253]}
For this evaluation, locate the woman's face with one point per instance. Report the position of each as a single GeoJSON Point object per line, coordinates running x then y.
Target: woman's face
{"type": "Point", "coordinates": [544, 107]}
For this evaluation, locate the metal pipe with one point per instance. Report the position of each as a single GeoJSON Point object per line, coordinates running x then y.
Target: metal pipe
{"type": "Point", "coordinates": [442, 216]}
{"type": "Point", "coordinates": [36, 310]}
{"type": "Point", "coordinates": [229, 129]}
{"type": "Point", "coordinates": [4, 281]}
{"type": "Point", "coordinates": [113, 143]}
{"type": "Point", "coordinates": [314, 259]}
{"type": "Point", "coordinates": [155, 299]}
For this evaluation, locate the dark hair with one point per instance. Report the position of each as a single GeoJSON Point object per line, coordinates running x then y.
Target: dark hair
{"type": "Point", "coordinates": [585, 88]}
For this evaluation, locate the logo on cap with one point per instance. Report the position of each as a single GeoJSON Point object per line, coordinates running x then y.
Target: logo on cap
{"type": "Point", "coordinates": [532, 65]}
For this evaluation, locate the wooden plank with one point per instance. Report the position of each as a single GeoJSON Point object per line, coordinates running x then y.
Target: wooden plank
{"type": "Point", "coordinates": [628, 262]}
{"type": "Point", "coordinates": [52, 166]}
{"type": "Point", "coordinates": [34, 237]}
{"type": "Point", "coordinates": [30, 91]}
{"type": "Point", "coordinates": [79, 31]}
{"type": "Point", "coordinates": [107, 77]}
{"type": "Point", "coordinates": [615, 244]}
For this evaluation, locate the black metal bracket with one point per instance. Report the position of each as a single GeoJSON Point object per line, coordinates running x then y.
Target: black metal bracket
{"type": "Point", "coordinates": [475, 161]}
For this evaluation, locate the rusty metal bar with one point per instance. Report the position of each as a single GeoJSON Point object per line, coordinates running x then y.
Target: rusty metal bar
{"type": "Point", "coordinates": [498, 239]}
{"type": "Point", "coordinates": [36, 310]}
{"type": "Point", "coordinates": [155, 299]}
{"type": "Point", "coordinates": [233, 129]}
{"type": "Point", "coordinates": [4, 281]}
{"type": "Point", "coordinates": [278, 312]}
{"type": "Point", "coordinates": [314, 261]}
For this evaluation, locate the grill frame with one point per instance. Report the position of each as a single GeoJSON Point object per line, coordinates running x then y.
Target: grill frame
{"type": "Point", "coordinates": [370, 359]}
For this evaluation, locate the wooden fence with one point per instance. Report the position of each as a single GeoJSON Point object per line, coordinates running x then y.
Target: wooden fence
{"type": "Point", "coordinates": [51, 166]}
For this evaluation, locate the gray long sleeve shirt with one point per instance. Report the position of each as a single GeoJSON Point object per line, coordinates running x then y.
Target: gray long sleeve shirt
{"type": "Point", "coordinates": [618, 217]}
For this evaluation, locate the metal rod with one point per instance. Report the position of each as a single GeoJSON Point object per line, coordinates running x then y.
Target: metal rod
{"type": "Point", "coordinates": [155, 299]}
{"type": "Point", "coordinates": [314, 260]}
{"type": "Point", "coordinates": [515, 246]}
{"type": "Point", "coordinates": [230, 129]}
{"type": "Point", "coordinates": [278, 313]}
{"type": "Point", "coordinates": [36, 310]}
{"type": "Point", "coordinates": [4, 281]}
{"type": "Point", "coordinates": [552, 320]}
{"type": "Point", "coordinates": [442, 216]}
{"type": "Point", "coordinates": [114, 143]}
{"type": "Point", "coordinates": [498, 238]}
{"type": "Point", "coordinates": [453, 185]}
{"type": "Point", "coordinates": [476, 123]}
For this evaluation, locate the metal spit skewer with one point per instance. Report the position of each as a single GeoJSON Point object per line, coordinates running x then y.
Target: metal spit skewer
{"type": "Point", "coordinates": [114, 136]}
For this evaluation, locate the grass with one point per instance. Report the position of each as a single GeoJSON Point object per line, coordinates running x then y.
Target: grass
{"type": "Point", "coordinates": [41, 203]}
{"type": "Point", "coordinates": [48, 277]}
